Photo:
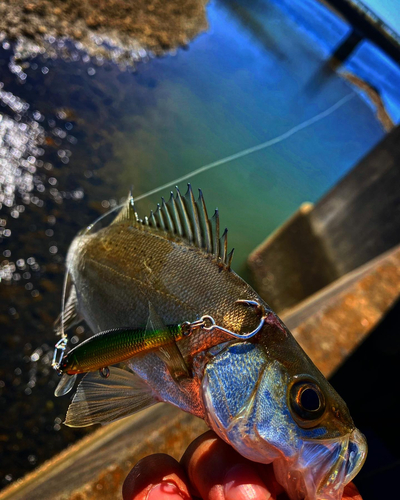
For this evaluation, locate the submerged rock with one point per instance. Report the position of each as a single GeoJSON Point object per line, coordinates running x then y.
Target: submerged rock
{"type": "Point", "coordinates": [121, 30]}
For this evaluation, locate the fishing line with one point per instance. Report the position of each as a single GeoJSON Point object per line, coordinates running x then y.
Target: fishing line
{"type": "Point", "coordinates": [63, 299]}
{"type": "Point", "coordinates": [240, 154]}
{"type": "Point", "coordinates": [253, 149]}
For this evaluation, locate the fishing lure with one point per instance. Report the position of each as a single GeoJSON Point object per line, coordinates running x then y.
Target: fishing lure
{"type": "Point", "coordinates": [117, 345]}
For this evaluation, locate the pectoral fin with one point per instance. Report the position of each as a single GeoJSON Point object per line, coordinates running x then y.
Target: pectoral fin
{"type": "Point", "coordinates": [101, 400]}
{"type": "Point", "coordinates": [154, 322]}
{"type": "Point", "coordinates": [169, 353]}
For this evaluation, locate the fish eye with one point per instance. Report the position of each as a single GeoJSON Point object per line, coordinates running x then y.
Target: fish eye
{"type": "Point", "coordinates": [309, 399]}
{"type": "Point", "coordinates": [307, 402]}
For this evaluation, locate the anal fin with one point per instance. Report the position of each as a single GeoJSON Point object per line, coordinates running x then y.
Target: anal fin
{"type": "Point", "coordinates": [101, 400]}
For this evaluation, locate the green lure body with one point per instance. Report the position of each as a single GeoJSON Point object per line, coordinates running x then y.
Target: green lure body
{"type": "Point", "coordinates": [114, 346]}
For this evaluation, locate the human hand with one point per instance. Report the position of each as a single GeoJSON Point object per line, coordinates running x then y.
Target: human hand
{"type": "Point", "coordinates": [209, 469]}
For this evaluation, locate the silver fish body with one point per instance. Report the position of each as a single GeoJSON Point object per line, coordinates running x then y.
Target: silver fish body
{"type": "Point", "coordinates": [263, 396]}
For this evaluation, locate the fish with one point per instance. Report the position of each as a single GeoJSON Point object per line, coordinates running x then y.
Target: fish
{"type": "Point", "coordinates": [259, 392]}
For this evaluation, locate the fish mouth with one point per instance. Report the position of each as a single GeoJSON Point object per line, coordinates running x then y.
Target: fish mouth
{"type": "Point", "coordinates": [357, 453]}
{"type": "Point", "coordinates": [323, 467]}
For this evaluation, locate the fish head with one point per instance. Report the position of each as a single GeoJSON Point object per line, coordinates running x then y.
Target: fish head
{"type": "Point", "coordinates": [283, 410]}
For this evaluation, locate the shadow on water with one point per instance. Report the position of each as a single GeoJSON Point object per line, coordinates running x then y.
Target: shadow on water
{"type": "Point", "coordinates": [368, 381]}
{"type": "Point", "coordinates": [88, 130]}
{"type": "Point", "coordinates": [248, 18]}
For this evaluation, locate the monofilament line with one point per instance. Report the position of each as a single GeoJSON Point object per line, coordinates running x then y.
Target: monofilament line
{"type": "Point", "coordinates": [240, 154]}
{"type": "Point", "coordinates": [253, 149]}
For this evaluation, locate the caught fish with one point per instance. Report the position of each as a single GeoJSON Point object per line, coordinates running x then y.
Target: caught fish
{"type": "Point", "coordinates": [258, 391]}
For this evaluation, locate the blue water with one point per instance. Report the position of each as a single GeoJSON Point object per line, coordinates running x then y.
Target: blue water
{"type": "Point", "coordinates": [324, 27]}
{"type": "Point", "coordinates": [368, 62]}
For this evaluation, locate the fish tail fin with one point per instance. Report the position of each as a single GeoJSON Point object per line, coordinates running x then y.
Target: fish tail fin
{"type": "Point", "coordinates": [103, 400]}
{"type": "Point", "coordinates": [65, 385]}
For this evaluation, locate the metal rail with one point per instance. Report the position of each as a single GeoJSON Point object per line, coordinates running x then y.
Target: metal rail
{"type": "Point", "coordinates": [365, 24]}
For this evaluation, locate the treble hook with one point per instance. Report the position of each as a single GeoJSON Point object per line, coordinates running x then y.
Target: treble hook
{"type": "Point", "coordinates": [244, 336]}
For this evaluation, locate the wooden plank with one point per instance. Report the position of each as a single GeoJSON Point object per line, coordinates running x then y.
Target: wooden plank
{"type": "Point", "coordinates": [96, 466]}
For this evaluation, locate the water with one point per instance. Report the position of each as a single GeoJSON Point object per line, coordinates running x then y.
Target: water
{"type": "Point", "coordinates": [89, 131]}
{"type": "Point", "coordinates": [368, 62]}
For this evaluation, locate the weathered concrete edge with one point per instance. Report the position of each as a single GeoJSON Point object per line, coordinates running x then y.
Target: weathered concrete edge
{"type": "Point", "coordinates": [81, 466]}
{"type": "Point", "coordinates": [304, 209]}
{"type": "Point", "coordinates": [291, 315]}
{"type": "Point", "coordinates": [331, 324]}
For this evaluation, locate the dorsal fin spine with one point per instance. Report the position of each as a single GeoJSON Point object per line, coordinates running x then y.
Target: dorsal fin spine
{"type": "Point", "coordinates": [229, 258]}
{"type": "Point", "coordinates": [204, 223]}
{"type": "Point", "coordinates": [193, 216]}
{"type": "Point", "coordinates": [131, 210]}
{"type": "Point", "coordinates": [187, 230]}
{"type": "Point", "coordinates": [167, 216]}
{"type": "Point", "coordinates": [223, 248]}
{"type": "Point", "coordinates": [152, 220]}
{"type": "Point", "coordinates": [175, 215]}
{"type": "Point", "coordinates": [159, 218]}
{"type": "Point", "coordinates": [215, 231]}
